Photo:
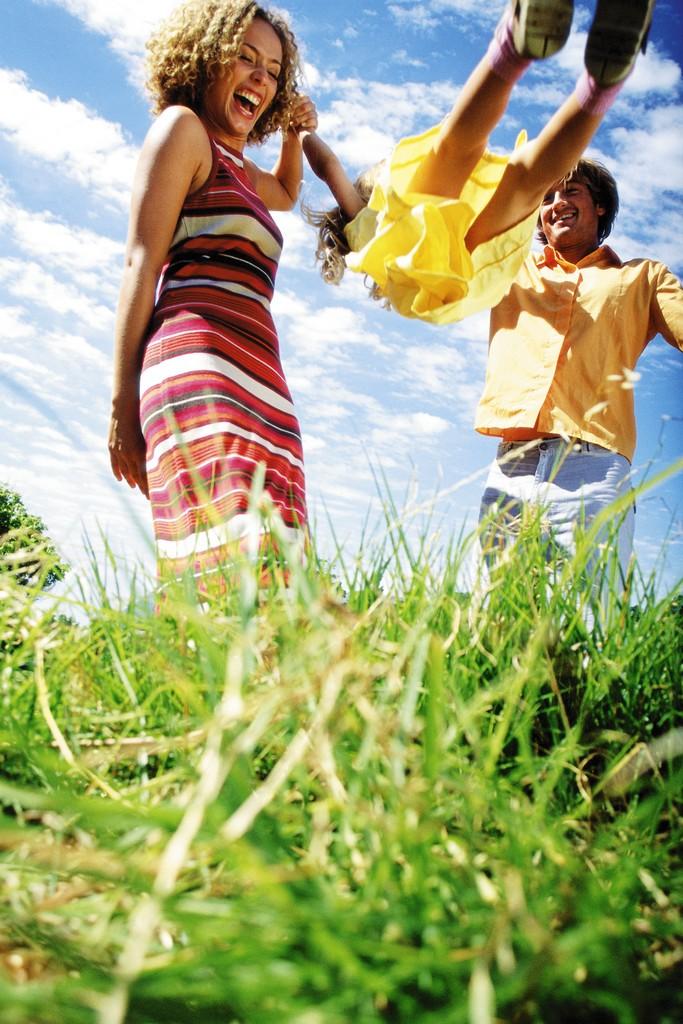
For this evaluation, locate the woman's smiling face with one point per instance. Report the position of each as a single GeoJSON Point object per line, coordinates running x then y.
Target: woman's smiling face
{"type": "Point", "coordinates": [237, 98]}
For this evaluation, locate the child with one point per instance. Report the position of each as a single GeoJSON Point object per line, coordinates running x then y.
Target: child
{"type": "Point", "coordinates": [443, 226]}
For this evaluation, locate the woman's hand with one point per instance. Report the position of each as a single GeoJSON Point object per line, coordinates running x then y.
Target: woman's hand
{"type": "Point", "coordinates": [304, 115]}
{"type": "Point", "coordinates": [127, 446]}
{"type": "Point", "coordinates": [279, 189]}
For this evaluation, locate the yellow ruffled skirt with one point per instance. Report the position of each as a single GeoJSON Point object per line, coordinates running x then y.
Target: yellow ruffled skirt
{"type": "Point", "coordinates": [413, 244]}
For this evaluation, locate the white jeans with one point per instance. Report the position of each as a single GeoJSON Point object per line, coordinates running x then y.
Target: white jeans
{"type": "Point", "coordinates": [569, 482]}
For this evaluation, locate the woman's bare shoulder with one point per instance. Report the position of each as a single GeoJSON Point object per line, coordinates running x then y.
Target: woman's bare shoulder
{"type": "Point", "coordinates": [180, 124]}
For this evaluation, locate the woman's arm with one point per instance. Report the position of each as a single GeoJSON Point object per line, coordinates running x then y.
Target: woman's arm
{"type": "Point", "coordinates": [279, 188]}
{"type": "Point", "coordinates": [327, 166]}
{"type": "Point", "coordinates": [175, 159]}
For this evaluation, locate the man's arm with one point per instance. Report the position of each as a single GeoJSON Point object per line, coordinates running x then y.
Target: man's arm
{"type": "Point", "coordinates": [666, 308]}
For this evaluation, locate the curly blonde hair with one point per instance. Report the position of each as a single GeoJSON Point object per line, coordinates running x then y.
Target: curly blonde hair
{"type": "Point", "coordinates": [201, 38]}
{"type": "Point", "coordinates": [332, 245]}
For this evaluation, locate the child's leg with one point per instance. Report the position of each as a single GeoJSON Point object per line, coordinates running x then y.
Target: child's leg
{"type": "Point", "coordinates": [534, 167]}
{"type": "Point", "coordinates": [529, 28]}
{"type": "Point", "coordinates": [464, 133]}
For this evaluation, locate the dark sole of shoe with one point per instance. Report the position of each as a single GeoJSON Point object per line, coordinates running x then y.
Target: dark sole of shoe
{"type": "Point", "coordinates": [541, 27]}
{"type": "Point", "coordinates": [618, 34]}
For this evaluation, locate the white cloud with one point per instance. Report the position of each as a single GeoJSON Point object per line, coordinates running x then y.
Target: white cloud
{"type": "Point", "coordinates": [312, 443]}
{"type": "Point", "coordinates": [78, 352]}
{"type": "Point", "coordinates": [323, 333]}
{"type": "Point", "coordinates": [311, 75]}
{"type": "Point", "coordinates": [66, 135]}
{"type": "Point", "coordinates": [362, 146]}
{"type": "Point", "coordinates": [54, 398]}
{"type": "Point", "coordinates": [126, 23]}
{"type": "Point", "coordinates": [13, 324]}
{"type": "Point", "coordinates": [654, 72]}
{"type": "Point", "coordinates": [29, 281]}
{"type": "Point", "coordinates": [299, 241]}
{"type": "Point", "coordinates": [405, 431]}
{"type": "Point", "coordinates": [465, 7]}
{"type": "Point", "coordinates": [403, 57]}
{"type": "Point", "coordinates": [417, 16]}
{"type": "Point", "coordinates": [427, 16]}
{"type": "Point", "coordinates": [650, 156]}
{"type": "Point", "coordinates": [92, 261]}
{"type": "Point", "coordinates": [57, 375]}
{"type": "Point", "coordinates": [365, 119]}
{"type": "Point", "coordinates": [22, 367]}
{"type": "Point", "coordinates": [655, 236]}
{"type": "Point", "coordinates": [442, 374]}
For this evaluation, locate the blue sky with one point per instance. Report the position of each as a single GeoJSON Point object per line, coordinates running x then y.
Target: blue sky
{"type": "Point", "coordinates": [376, 395]}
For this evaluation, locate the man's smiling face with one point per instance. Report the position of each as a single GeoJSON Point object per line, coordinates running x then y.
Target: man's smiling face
{"type": "Point", "coordinates": [570, 218]}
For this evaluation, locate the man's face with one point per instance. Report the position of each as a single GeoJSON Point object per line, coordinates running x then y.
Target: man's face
{"type": "Point", "coordinates": [569, 217]}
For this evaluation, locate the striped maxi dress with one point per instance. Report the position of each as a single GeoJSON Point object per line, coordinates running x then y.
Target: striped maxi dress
{"type": "Point", "coordinates": [214, 402]}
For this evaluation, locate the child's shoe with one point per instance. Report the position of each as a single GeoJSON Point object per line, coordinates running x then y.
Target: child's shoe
{"type": "Point", "coordinates": [540, 27]}
{"type": "Point", "coordinates": [618, 34]}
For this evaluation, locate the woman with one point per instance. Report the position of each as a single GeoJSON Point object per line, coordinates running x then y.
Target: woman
{"type": "Point", "coordinates": [200, 404]}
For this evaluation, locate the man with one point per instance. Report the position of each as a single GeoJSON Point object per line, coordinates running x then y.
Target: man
{"type": "Point", "coordinates": [563, 346]}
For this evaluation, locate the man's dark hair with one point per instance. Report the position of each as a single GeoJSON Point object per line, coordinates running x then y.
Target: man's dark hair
{"type": "Point", "coordinates": [603, 189]}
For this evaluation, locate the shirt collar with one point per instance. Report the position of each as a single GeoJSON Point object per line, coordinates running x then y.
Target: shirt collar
{"type": "Point", "coordinates": [602, 256]}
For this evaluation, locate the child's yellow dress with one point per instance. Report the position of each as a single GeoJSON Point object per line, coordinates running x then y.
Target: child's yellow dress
{"type": "Point", "coordinates": [413, 244]}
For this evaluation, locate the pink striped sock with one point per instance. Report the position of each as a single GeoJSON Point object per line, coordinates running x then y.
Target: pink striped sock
{"type": "Point", "coordinates": [595, 98]}
{"type": "Point", "coordinates": [502, 56]}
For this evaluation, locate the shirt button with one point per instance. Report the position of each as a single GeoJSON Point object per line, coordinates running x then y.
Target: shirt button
{"type": "Point", "coordinates": [543, 446]}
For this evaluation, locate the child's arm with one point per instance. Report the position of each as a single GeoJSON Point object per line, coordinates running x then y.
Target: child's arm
{"type": "Point", "coordinates": [327, 166]}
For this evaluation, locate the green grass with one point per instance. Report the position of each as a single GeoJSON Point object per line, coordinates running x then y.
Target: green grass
{"type": "Point", "coordinates": [366, 798]}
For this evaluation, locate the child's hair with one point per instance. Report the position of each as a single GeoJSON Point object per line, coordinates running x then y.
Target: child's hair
{"type": "Point", "coordinates": [332, 246]}
{"type": "Point", "coordinates": [603, 189]}
{"type": "Point", "coordinates": [201, 38]}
